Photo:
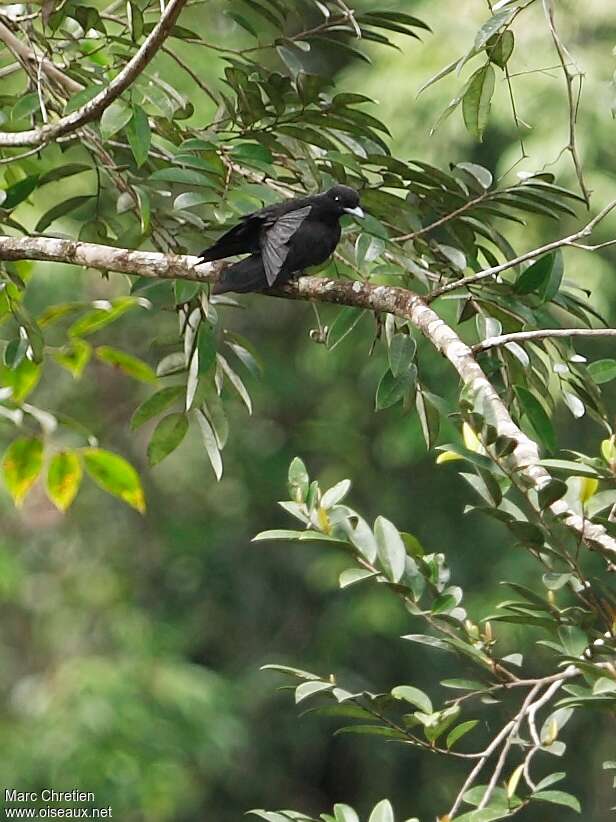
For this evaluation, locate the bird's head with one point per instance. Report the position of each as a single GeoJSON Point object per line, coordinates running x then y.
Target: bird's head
{"type": "Point", "coordinates": [343, 200]}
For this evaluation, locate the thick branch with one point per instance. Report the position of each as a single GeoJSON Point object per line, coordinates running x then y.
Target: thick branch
{"type": "Point", "coordinates": [542, 334]}
{"type": "Point", "coordinates": [379, 298]}
{"type": "Point", "coordinates": [95, 107]}
{"type": "Point", "coordinates": [28, 58]}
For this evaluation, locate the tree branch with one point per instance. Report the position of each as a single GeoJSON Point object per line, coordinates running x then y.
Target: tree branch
{"type": "Point", "coordinates": [541, 334]}
{"type": "Point", "coordinates": [97, 105]}
{"type": "Point", "coordinates": [29, 59]}
{"type": "Point", "coordinates": [565, 60]}
{"type": "Point", "coordinates": [523, 462]}
{"type": "Point", "coordinates": [570, 240]}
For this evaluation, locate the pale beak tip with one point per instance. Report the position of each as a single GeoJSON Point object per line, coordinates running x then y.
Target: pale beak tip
{"type": "Point", "coordinates": [356, 212]}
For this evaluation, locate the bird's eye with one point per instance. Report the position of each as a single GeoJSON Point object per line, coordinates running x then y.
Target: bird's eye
{"type": "Point", "coordinates": [336, 199]}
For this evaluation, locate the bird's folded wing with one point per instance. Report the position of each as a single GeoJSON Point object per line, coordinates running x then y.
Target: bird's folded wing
{"type": "Point", "coordinates": [274, 243]}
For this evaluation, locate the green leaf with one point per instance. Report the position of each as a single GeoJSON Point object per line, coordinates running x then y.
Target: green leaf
{"type": "Point", "coordinates": [300, 536]}
{"type": "Point", "coordinates": [299, 480]}
{"type": "Point", "coordinates": [392, 389]}
{"type": "Point", "coordinates": [602, 371]}
{"type": "Point", "coordinates": [559, 798]}
{"type": "Point", "coordinates": [429, 415]}
{"type": "Point", "coordinates": [19, 192]}
{"type": "Point", "coordinates": [81, 98]}
{"type": "Point", "coordinates": [132, 366]}
{"type": "Point", "coordinates": [483, 815]}
{"type": "Point", "coordinates": [60, 210]}
{"type": "Point", "coordinates": [550, 780]}
{"type": "Point", "coordinates": [308, 689]}
{"type": "Point", "coordinates": [491, 26]}
{"type": "Point", "coordinates": [206, 346]}
{"type": "Point", "coordinates": [115, 475]}
{"type": "Point", "coordinates": [536, 276]}
{"type": "Point", "coordinates": [211, 443]}
{"type": "Point", "coordinates": [98, 318]}
{"type": "Point", "coordinates": [481, 174]}
{"type": "Point", "coordinates": [401, 352]}
{"type": "Point", "coordinates": [354, 575]}
{"type": "Point", "coordinates": [60, 172]}
{"type": "Point", "coordinates": [269, 816]}
{"type": "Point", "coordinates": [552, 284]}
{"type": "Point", "coordinates": [167, 436]}
{"type": "Point", "coordinates": [499, 48]}
{"type": "Point", "coordinates": [431, 641]}
{"type": "Point", "coordinates": [476, 100]}
{"type": "Point", "coordinates": [413, 695]}
{"type": "Point", "coordinates": [346, 320]}
{"type": "Point", "coordinates": [335, 494]}
{"type": "Point", "coordinates": [114, 118]}
{"type": "Point", "coordinates": [63, 479]}
{"type": "Point", "coordinates": [554, 490]}
{"type": "Point", "coordinates": [74, 356]}
{"type": "Point", "coordinates": [21, 380]}
{"type": "Point", "coordinates": [383, 812]}
{"type": "Point", "coordinates": [27, 105]}
{"type": "Point", "coordinates": [537, 417]}
{"type": "Point", "coordinates": [459, 731]}
{"type": "Point", "coordinates": [135, 21]}
{"type": "Point", "coordinates": [374, 730]}
{"type": "Point", "coordinates": [21, 465]}
{"type": "Point", "coordinates": [569, 468]}
{"type": "Point", "coordinates": [183, 176]}
{"type": "Point", "coordinates": [463, 684]}
{"type": "Point", "coordinates": [139, 135]}
{"type": "Point", "coordinates": [391, 550]}
{"type": "Point", "coordinates": [155, 404]}
{"type": "Point", "coordinates": [343, 813]}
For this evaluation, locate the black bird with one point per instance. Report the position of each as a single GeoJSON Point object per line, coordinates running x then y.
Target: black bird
{"type": "Point", "coordinates": [282, 240]}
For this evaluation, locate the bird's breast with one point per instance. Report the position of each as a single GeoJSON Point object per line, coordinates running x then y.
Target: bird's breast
{"type": "Point", "coordinates": [312, 244]}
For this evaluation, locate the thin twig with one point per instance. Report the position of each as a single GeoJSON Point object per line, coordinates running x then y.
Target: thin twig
{"type": "Point", "coordinates": [540, 334]}
{"type": "Point", "coordinates": [191, 73]}
{"type": "Point", "coordinates": [478, 767]}
{"type": "Point", "coordinates": [27, 57]}
{"type": "Point", "coordinates": [10, 69]}
{"type": "Point", "coordinates": [445, 219]}
{"type": "Point", "coordinates": [493, 271]}
{"type": "Point", "coordinates": [572, 99]}
{"type": "Point", "coordinates": [515, 725]}
{"type": "Point", "coordinates": [97, 105]}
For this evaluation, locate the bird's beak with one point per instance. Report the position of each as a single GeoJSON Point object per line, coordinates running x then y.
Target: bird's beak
{"type": "Point", "coordinates": [356, 212]}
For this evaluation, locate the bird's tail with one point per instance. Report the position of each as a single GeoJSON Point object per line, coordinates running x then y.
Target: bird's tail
{"type": "Point", "coordinates": [247, 275]}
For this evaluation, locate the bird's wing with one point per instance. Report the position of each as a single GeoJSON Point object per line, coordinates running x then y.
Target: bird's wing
{"type": "Point", "coordinates": [274, 243]}
{"type": "Point", "coordinates": [242, 238]}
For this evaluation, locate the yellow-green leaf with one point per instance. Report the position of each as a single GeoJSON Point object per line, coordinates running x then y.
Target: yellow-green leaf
{"type": "Point", "coordinates": [22, 380]}
{"type": "Point", "coordinates": [588, 488]}
{"type": "Point", "coordinates": [115, 475]}
{"type": "Point", "coordinates": [132, 366]}
{"type": "Point", "coordinates": [74, 357]}
{"type": "Point", "coordinates": [64, 478]}
{"type": "Point", "coordinates": [21, 466]}
{"type": "Point", "coordinates": [447, 456]}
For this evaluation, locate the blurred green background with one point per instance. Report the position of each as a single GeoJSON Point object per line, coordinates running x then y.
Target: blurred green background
{"type": "Point", "coordinates": [130, 647]}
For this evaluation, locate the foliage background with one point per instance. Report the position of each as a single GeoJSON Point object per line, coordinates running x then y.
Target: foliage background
{"type": "Point", "coordinates": [130, 647]}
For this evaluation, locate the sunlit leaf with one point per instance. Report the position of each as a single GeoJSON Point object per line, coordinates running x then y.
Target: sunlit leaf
{"type": "Point", "coordinates": [63, 478]}
{"type": "Point", "coordinates": [115, 475]}
{"type": "Point", "coordinates": [21, 465]}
